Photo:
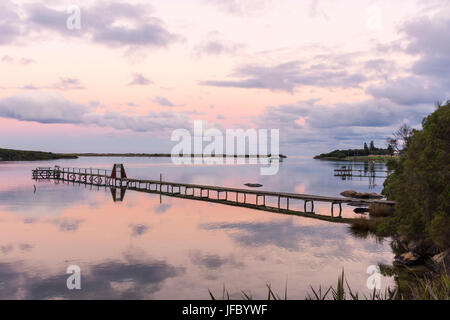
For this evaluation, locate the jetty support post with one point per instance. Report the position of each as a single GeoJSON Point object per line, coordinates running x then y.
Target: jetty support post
{"type": "Point", "coordinates": [312, 205]}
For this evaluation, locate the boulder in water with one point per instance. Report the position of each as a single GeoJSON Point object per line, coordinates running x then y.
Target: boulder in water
{"type": "Point", "coordinates": [349, 193]}
{"type": "Point", "coordinates": [361, 210]}
{"type": "Point", "coordinates": [357, 195]}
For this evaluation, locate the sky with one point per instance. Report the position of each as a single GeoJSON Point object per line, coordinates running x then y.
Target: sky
{"type": "Point", "coordinates": [328, 74]}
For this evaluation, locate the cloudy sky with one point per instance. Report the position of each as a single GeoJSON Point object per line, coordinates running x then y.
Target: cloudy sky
{"type": "Point", "coordinates": [327, 73]}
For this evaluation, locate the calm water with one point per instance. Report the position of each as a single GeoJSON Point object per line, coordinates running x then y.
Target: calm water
{"type": "Point", "coordinates": [151, 248]}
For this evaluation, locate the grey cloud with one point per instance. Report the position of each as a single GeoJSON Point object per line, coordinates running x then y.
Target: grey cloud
{"type": "Point", "coordinates": [427, 38]}
{"type": "Point", "coordinates": [283, 234]}
{"type": "Point", "coordinates": [162, 208]}
{"type": "Point", "coordinates": [66, 83]}
{"type": "Point", "coordinates": [29, 220]}
{"type": "Point", "coordinates": [25, 247]}
{"type": "Point", "coordinates": [5, 249]}
{"type": "Point", "coordinates": [98, 24]}
{"type": "Point", "coordinates": [63, 83]}
{"type": "Point", "coordinates": [437, 66]}
{"type": "Point", "coordinates": [240, 7]}
{"type": "Point", "coordinates": [45, 17]}
{"type": "Point", "coordinates": [139, 229]}
{"type": "Point", "coordinates": [27, 61]}
{"type": "Point", "coordinates": [30, 87]}
{"type": "Point", "coordinates": [314, 10]}
{"type": "Point", "coordinates": [146, 35]}
{"type": "Point", "coordinates": [288, 76]}
{"type": "Point", "coordinates": [380, 65]}
{"type": "Point", "coordinates": [215, 46]}
{"type": "Point", "coordinates": [48, 107]}
{"type": "Point", "coordinates": [42, 107]}
{"type": "Point", "coordinates": [10, 280]}
{"type": "Point", "coordinates": [139, 80]}
{"type": "Point", "coordinates": [368, 113]}
{"type": "Point", "coordinates": [66, 225]}
{"type": "Point", "coordinates": [7, 59]}
{"type": "Point", "coordinates": [194, 112]}
{"type": "Point", "coordinates": [409, 91]}
{"type": "Point", "coordinates": [162, 101]}
{"type": "Point", "coordinates": [8, 33]}
{"type": "Point", "coordinates": [314, 125]}
{"type": "Point", "coordinates": [10, 28]}
{"type": "Point", "coordinates": [427, 35]}
{"type": "Point", "coordinates": [143, 278]}
{"type": "Point", "coordinates": [231, 6]}
{"type": "Point", "coordinates": [213, 261]}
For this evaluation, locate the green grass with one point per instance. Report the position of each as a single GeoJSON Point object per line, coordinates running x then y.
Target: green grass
{"type": "Point", "coordinates": [434, 288]}
{"type": "Point", "coordinates": [419, 288]}
{"type": "Point", "coordinates": [341, 291]}
{"type": "Point", "coordinates": [380, 210]}
{"type": "Point", "coordinates": [362, 227]}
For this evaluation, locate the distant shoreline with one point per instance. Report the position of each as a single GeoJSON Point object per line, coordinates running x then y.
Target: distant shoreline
{"type": "Point", "coordinates": [358, 158]}
{"type": "Point", "coordinates": [25, 155]}
{"type": "Point", "coordinates": [168, 155]}
{"type": "Point", "coordinates": [371, 153]}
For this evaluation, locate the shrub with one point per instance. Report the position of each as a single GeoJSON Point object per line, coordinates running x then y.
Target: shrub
{"type": "Point", "coordinates": [420, 182]}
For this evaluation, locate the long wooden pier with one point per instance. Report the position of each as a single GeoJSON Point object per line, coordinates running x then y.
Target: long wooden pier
{"type": "Point", "coordinates": [115, 179]}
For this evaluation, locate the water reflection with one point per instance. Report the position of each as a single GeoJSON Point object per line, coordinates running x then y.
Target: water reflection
{"type": "Point", "coordinates": [142, 248]}
{"type": "Point", "coordinates": [128, 279]}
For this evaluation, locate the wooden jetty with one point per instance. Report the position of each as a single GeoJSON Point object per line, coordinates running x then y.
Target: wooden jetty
{"type": "Point", "coordinates": [117, 178]}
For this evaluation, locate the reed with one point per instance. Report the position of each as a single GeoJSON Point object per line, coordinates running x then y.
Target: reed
{"type": "Point", "coordinates": [435, 288]}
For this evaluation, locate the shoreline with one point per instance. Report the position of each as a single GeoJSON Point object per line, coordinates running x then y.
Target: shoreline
{"type": "Point", "coordinates": [27, 155]}
{"type": "Point", "coordinates": [380, 158]}
{"type": "Point", "coordinates": [168, 155]}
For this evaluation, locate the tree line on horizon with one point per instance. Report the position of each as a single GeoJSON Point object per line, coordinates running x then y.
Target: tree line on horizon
{"type": "Point", "coordinates": [367, 150]}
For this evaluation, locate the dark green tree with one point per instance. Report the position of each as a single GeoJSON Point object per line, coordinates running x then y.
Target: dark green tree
{"type": "Point", "coordinates": [420, 182]}
{"type": "Point", "coordinates": [390, 150]}
{"type": "Point", "coordinates": [372, 147]}
{"type": "Point", "coordinates": [366, 149]}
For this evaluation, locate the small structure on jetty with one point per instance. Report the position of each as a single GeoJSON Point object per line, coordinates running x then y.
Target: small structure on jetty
{"type": "Point", "coordinates": [218, 194]}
